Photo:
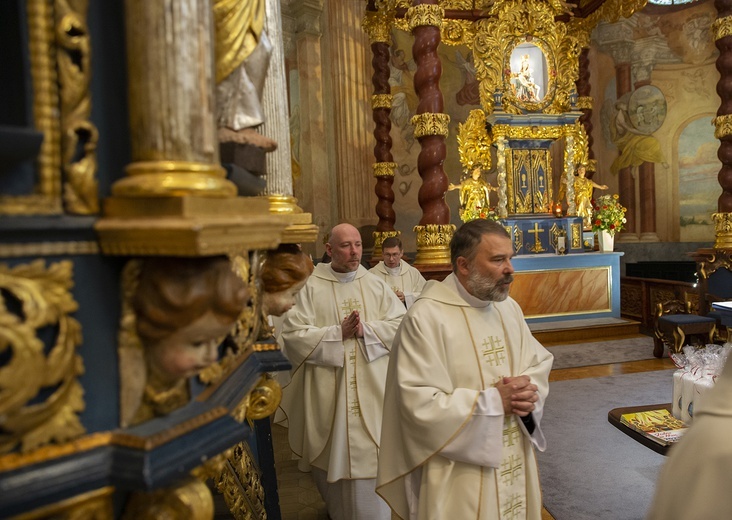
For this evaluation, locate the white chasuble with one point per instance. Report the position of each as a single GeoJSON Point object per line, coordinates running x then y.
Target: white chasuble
{"type": "Point", "coordinates": [334, 401]}
{"type": "Point", "coordinates": [407, 279]}
{"type": "Point", "coordinates": [448, 450]}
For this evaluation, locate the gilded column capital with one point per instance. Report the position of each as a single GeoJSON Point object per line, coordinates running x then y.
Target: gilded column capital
{"type": "Point", "coordinates": [722, 126]}
{"type": "Point", "coordinates": [384, 169]}
{"type": "Point", "coordinates": [425, 14]}
{"type": "Point", "coordinates": [722, 230]}
{"type": "Point", "coordinates": [430, 123]}
{"type": "Point", "coordinates": [377, 25]}
{"type": "Point", "coordinates": [433, 243]}
{"type": "Point", "coordinates": [722, 27]}
{"type": "Point", "coordinates": [379, 237]}
{"type": "Point", "coordinates": [381, 101]}
{"type": "Point", "coordinates": [585, 102]}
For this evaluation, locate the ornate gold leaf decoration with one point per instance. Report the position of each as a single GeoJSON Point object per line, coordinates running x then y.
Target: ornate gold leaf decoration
{"type": "Point", "coordinates": [192, 501]}
{"type": "Point", "coordinates": [722, 126]}
{"type": "Point", "coordinates": [48, 249]}
{"type": "Point", "coordinates": [40, 395]}
{"type": "Point", "coordinates": [528, 132]}
{"type": "Point", "coordinates": [262, 401]}
{"type": "Point", "coordinates": [585, 102]}
{"type": "Point", "coordinates": [511, 24]}
{"type": "Point", "coordinates": [79, 133]}
{"type": "Point", "coordinates": [457, 32]}
{"type": "Point", "coordinates": [377, 24]}
{"type": "Point", "coordinates": [381, 101]}
{"type": "Point", "coordinates": [384, 169]}
{"type": "Point", "coordinates": [433, 243]}
{"type": "Point", "coordinates": [722, 27]}
{"type": "Point", "coordinates": [46, 199]}
{"type": "Point", "coordinates": [474, 143]}
{"type": "Point", "coordinates": [722, 230]}
{"type": "Point", "coordinates": [241, 485]}
{"type": "Point", "coordinates": [425, 14]}
{"type": "Point", "coordinates": [430, 123]}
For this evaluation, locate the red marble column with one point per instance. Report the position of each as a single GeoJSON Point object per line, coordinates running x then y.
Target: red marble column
{"type": "Point", "coordinates": [724, 90]}
{"type": "Point", "coordinates": [647, 189]}
{"type": "Point", "coordinates": [431, 196]}
{"type": "Point", "coordinates": [382, 148]}
{"type": "Point", "coordinates": [626, 183]}
{"type": "Point", "coordinates": [584, 90]}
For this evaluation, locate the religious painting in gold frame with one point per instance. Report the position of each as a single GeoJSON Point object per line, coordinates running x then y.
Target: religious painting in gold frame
{"type": "Point", "coordinates": [59, 50]}
{"type": "Point", "coordinates": [516, 28]}
{"type": "Point", "coordinates": [529, 73]}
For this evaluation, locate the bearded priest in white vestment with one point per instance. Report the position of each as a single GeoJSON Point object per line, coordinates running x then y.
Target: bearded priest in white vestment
{"type": "Point", "coordinates": [406, 281]}
{"type": "Point", "coordinates": [465, 393]}
{"type": "Point", "coordinates": [338, 337]}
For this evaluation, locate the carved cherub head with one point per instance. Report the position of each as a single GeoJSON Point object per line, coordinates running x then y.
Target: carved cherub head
{"type": "Point", "coordinates": [285, 271]}
{"type": "Point", "coordinates": [184, 308]}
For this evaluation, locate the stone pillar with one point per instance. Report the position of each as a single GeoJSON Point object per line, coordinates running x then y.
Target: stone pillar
{"type": "Point", "coordinates": [723, 124]}
{"type": "Point", "coordinates": [377, 24]}
{"type": "Point", "coordinates": [171, 88]}
{"type": "Point", "coordinates": [434, 231]}
{"type": "Point", "coordinates": [351, 115]}
{"type": "Point", "coordinates": [314, 188]}
{"type": "Point", "coordinates": [277, 118]}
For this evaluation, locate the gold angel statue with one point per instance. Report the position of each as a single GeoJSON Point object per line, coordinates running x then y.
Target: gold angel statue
{"type": "Point", "coordinates": [474, 196]}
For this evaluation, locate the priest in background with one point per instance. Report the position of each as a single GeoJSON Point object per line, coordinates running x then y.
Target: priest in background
{"type": "Point", "coordinates": [465, 393]}
{"type": "Point", "coordinates": [406, 281]}
{"type": "Point", "coordinates": [338, 337]}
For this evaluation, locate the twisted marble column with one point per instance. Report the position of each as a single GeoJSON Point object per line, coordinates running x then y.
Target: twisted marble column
{"type": "Point", "coordinates": [434, 230]}
{"type": "Point", "coordinates": [723, 123]}
{"type": "Point", "coordinates": [377, 26]}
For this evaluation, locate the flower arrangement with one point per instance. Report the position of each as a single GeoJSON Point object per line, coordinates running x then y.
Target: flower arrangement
{"type": "Point", "coordinates": [484, 213]}
{"type": "Point", "coordinates": [609, 214]}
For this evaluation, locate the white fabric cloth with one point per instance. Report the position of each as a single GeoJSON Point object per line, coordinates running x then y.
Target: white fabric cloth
{"type": "Point", "coordinates": [334, 401]}
{"type": "Point", "coordinates": [404, 278]}
{"type": "Point", "coordinates": [448, 450]}
{"type": "Point", "coordinates": [351, 499]}
{"type": "Point", "coordinates": [694, 481]}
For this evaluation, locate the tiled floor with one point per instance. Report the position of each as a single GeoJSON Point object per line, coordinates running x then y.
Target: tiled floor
{"type": "Point", "coordinates": [299, 498]}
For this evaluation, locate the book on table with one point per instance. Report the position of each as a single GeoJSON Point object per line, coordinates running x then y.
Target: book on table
{"type": "Point", "coordinates": [658, 425]}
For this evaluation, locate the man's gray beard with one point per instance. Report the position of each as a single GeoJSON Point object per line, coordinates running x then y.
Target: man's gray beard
{"type": "Point", "coordinates": [486, 289]}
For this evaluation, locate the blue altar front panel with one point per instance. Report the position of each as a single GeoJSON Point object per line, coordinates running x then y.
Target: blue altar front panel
{"type": "Point", "coordinates": [570, 266]}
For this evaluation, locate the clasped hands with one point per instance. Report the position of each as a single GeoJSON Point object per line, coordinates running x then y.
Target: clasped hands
{"type": "Point", "coordinates": [518, 395]}
{"type": "Point", "coordinates": [351, 326]}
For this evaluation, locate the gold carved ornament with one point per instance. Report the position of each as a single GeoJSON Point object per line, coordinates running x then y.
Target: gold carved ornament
{"type": "Point", "coordinates": [261, 402]}
{"type": "Point", "coordinates": [722, 27]}
{"type": "Point", "coordinates": [425, 14]}
{"type": "Point", "coordinates": [474, 143]}
{"type": "Point", "coordinates": [379, 237]}
{"type": "Point", "coordinates": [384, 169]}
{"type": "Point", "coordinates": [510, 24]}
{"type": "Point", "coordinates": [433, 243]}
{"type": "Point", "coordinates": [722, 126]}
{"type": "Point", "coordinates": [430, 123]}
{"type": "Point", "coordinates": [80, 190]}
{"type": "Point", "coordinates": [381, 101]}
{"type": "Point", "coordinates": [722, 230]}
{"type": "Point", "coordinates": [377, 24]}
{"type": "Point", "coordinates": [46, 199]}
{"type": "Point", "coordinates": [240, 484]}
{"type": "Point", "coordinates": [585, 102]}
{"type": "Point", "coordinates": [44, 300]}
{"type": "Point", "coordinates": [191, 500]}
{"type": "Point", "coordinates": [92, 505]}
{"type": "Point", "coordinates": [248, 326]}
